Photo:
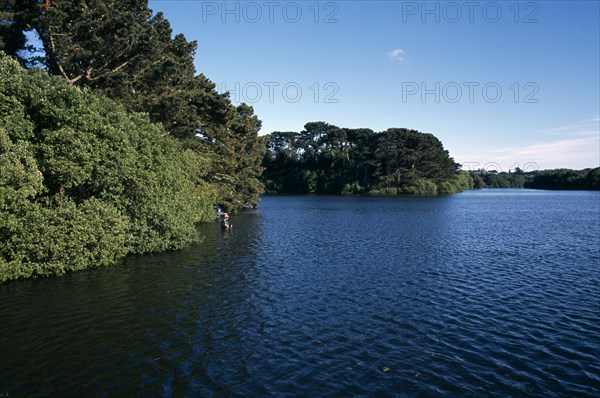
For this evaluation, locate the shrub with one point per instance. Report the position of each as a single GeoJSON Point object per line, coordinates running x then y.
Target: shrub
{"type": "Point", "coordinates": [83, 182]}
{"type": "Point", "coordinates": [422, 186]}
{"type": "Point", "coordinates": [383, 191]}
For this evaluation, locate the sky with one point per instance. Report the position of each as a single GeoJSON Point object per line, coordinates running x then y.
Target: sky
{"type": "Point", "coordinates": [502, 84]}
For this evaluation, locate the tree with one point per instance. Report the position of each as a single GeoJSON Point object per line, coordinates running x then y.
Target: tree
{"type": "Point", "coordinates": [241, 152]}
{"type": "Point", "coordinates": [406, 156]}
{"type": "Point", "coordinates": [83, 182]}
{"type": "Point", "coordinates": [123, 50]}
{"type": "Point", "coordinates": [565, 179]}
{"type": "Point", "coordinates": [12, 37]}
{"type": "Point", "coordinates": [324, 158]}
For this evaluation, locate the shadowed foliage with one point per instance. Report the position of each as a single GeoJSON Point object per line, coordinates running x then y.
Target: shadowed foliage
{"type": "Point", "coordinates": [83, 182]}
{"type": "Point", "coordinates": [328, 159]}
{"type": "Point", "coordinates": [123, 50]}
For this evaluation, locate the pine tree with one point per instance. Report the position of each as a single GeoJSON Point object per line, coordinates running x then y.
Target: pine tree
{"type": "Point", "coordinates": [121, 49]}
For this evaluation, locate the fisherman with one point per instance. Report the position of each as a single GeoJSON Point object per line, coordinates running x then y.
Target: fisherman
{"type": "Point", "coordinates": [225, 223]}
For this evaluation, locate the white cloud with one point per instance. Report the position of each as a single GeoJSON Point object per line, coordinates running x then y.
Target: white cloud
{"type": "Point", "coordinates": [577, 153]}
{"type": "Point", "coordinates": [584, 128]}
{"type": "Point", "coordinates": [576, 146]}
{"type": "Point", "coordinates": [397, 55]}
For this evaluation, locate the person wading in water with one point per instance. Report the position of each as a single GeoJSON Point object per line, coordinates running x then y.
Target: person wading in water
{"type": "Point", "coordinates": [225, 223]}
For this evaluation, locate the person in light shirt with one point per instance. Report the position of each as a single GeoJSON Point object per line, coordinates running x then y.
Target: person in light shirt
{"type": "Point", "coordinates": [225, 222]}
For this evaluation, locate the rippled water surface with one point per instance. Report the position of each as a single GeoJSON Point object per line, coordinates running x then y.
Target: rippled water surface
{"type": "Point", "coordinates": [485, 293]}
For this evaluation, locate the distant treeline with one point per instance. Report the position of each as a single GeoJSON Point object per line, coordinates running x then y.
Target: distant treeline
{"type": "Point", "coordinates": [567, 179]}
{"type": "Point", "coordinates": [327, 159]}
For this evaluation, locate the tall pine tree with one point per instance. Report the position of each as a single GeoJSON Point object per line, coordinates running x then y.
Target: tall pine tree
{"type": "Point", "coordinates": [123, 50]}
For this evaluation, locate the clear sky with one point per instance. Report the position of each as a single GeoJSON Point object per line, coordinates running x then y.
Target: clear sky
{"type": "Point", "coordinates": [500, 83]}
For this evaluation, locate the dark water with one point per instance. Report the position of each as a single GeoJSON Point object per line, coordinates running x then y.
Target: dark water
{"type": "Point", "coordinates": [487, 293]}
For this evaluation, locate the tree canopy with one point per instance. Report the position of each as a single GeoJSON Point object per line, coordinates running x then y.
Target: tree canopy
{"type": "Point", "coordinates": [324, 158]}
{"type": "Point", "coordinates": [123, 50]}
{"type": "Point", "coordinates": [83, 181]}
{"type": "Point", "coordinates": [556, 179]}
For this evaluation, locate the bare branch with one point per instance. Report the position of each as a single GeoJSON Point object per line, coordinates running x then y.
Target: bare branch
{"type": "Point", "coordinates": [53, 48]}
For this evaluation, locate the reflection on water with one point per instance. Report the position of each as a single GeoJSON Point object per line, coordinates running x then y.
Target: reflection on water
{"type": "Point", "coordinates": [492, 293]}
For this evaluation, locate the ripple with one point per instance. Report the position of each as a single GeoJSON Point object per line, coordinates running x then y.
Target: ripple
{"type": "Point", "coordinates": [479, 294]}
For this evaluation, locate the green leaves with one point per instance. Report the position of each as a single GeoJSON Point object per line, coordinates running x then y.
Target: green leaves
{"type": "Point", "coordinates": [65, 150]}
{"type": "Point", "coordinates": [57, 236]}
{"type": "Point", "coordinates": [327, 159]}
{"type": "Point", "coordinates": [20, 173]}
{"type": "Point", "coordinates": [124, 51]}
{"type": "Point", "coordinates": [68, 158]}
{"type": "Point", "coordinates": [83, 182]}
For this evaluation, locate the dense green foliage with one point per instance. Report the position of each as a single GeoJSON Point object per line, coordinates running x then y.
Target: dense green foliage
{"type": "Point", "coordinates": [83, 182]}
{"type": "Point", "coordinates": [123, 50]}
{"type": "Point", "coordinates": [328, 159]}
{"type": "Point", "coordinates": [483, 179]}
{"type": "Point", "coordinates": [586, 179]}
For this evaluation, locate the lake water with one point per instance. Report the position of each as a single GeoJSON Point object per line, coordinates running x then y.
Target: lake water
{"type": "Point", "coordinates": [484, 293]}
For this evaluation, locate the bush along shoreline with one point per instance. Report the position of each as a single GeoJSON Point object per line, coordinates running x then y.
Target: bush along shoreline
{"type": "Point", "coordinates": [83, 182]}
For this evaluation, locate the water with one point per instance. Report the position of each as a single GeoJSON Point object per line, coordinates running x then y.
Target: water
{"type": "Point", "coordinates": [485, 293]}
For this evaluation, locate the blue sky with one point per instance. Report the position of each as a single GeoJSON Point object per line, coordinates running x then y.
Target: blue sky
{"type": "Point", "coordinates": [499, 83]}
